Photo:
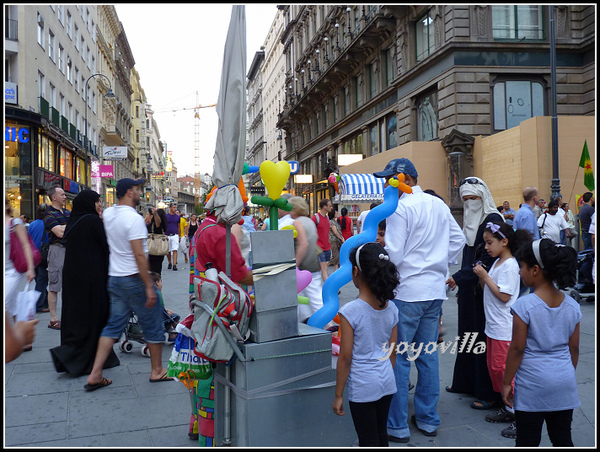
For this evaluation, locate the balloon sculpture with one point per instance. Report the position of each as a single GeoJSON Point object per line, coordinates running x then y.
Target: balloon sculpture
{"type": "Point", "coordinates": [334, 180]}
{"type": "Point", "coordinates": [274, 176]}
{"type": "Point", "coordinates": [343, 275]}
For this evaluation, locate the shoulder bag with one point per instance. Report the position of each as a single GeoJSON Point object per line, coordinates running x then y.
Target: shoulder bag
{"type": "Point", "coordinates": [17, 255]}
{"type": "Point", "coordinates": [542, 226]}
{"type": "Point", "coordinates": [158, 244]}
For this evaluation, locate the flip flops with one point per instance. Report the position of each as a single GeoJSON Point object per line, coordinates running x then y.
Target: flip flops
{"type": "Point", "coordinates": [54, 325]}
{"type": "Point", "coordinates": [163, 378]}
{"type": "Point", "coordinates": [105, 382]}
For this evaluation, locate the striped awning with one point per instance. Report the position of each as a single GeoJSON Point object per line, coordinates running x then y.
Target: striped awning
{"type": "Point", "coordinates": [360, 188]}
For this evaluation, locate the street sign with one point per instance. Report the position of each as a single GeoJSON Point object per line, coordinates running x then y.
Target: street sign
{"type": "Point", "coordinates": [294, 166]}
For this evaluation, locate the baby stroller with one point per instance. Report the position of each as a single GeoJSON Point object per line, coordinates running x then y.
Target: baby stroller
{"type": "Point", "coordinates": [585, 284]}
{"type": "Point", "coordinates": [133, 332]}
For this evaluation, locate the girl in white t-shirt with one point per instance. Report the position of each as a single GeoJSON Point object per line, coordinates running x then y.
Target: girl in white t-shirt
{"type": "Point", "coordinates": [368, 336]}
{"type": "Point", "coordinates": [501, 287]}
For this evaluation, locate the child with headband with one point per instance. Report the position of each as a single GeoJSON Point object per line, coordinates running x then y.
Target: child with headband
{"type": "Point", "coordinates": [500, 290]}
{"type": "Point", "coordinates": [368, 326]}
{"type": "Point", "coordinates": [545, 346]}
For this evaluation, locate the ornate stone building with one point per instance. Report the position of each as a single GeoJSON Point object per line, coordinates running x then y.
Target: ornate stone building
{"type": "Point", "coordinates": [364, 79]}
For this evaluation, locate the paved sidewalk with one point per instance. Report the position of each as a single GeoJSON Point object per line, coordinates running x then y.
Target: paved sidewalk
{"type": "Point", "coordinates": [47, 409]}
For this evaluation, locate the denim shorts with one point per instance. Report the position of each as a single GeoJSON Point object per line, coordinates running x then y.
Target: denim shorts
{"type": "Point", "coordinates": [325, 256]}
{"type": "Point", "coordinates": [127, 294]}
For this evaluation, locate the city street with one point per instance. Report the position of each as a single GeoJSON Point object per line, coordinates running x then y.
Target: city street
{"type": "Point", "coordinates": [47, 409]}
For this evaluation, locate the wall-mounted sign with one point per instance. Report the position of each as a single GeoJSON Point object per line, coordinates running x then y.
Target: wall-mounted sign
{"type": "Point", "coordinates": [294, 166]}
{"type": "Point", "coordinates": [349, 159]}
{"type": "Point", "coordinates": [114, 152]}
{"type": "Point", "coordinates": [10, 93]}
{"type": "Point", "coordinates": [303, 178]}
{"type": "Point", "coordinates": [106, 171]}
{"type": "Point", "coordinates": [20, 135]}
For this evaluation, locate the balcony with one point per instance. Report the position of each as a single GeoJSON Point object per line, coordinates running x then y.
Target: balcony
{"type": "Point", "coordinates": [55, 116]}
{"type": "Point", "coordinates": [44, 107]}
{"type": "Point", "coordinates": [113, 136]}
{"type": "Point", "coordinates": [64, 124]}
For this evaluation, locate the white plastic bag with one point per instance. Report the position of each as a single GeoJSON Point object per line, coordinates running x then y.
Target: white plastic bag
{"type": "Point", "coordinates": [26, 301]}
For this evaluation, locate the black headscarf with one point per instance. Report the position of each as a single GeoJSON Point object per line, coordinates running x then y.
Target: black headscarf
{"type": "Point", "coordinates": [83, 204]}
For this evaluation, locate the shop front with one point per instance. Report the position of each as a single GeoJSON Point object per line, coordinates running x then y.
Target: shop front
{"type": "Point", "coordinates": [37, 157]}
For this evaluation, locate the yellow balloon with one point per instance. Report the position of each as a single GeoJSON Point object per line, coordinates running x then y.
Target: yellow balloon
{"type": "Point", "coordinates": [274, 176]}
{"type": "Point", "coordinates": [291, 226]}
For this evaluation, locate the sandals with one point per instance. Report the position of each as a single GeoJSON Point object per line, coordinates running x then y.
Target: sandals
{"type": "Point", "coordinates": [163, 378]}
{"type": "Point", "coordinates": [92, 387]}
{"type": "Point", "coordinates": [54, 325]}
{"type": "Point", "coordinates": [484, 405]}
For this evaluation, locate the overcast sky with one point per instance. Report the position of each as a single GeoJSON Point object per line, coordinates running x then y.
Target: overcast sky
{"type": "Point", "coordinates": [178, 50]}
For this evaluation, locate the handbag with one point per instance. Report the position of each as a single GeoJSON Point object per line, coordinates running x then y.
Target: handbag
{"type": "Point", "coordinates": [17, 255]}
{"type": "Point", "coordinates": [158, 244]}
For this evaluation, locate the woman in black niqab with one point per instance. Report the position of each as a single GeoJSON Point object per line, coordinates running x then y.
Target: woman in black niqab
{"type": "Point", "coordinates": [85, 300]}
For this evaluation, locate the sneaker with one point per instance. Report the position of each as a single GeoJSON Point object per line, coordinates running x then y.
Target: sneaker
{"type": "Point", "coordinates": [502, 415]}
{"type": "Point", "coordinates": [169, 267]}
{"type": "Point", "coordinates": [174, 268]}
{"type": "Point", "coordinates": [510, 431]}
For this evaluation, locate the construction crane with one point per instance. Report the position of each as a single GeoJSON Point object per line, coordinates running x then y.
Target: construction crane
{"type": "Point", "coordinates": [197, 173]}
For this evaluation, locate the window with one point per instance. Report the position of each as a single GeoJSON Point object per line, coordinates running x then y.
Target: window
{"type": "Point", "coordinates": [69, 70]}
{"type": "Point", "coordinates": [40, 30]}
{"type": "Point", "coordinates": [392, 131]}
{"type": "Point", "coordinates": [427, 117]}
{"type": "Point", "coordinates": [41, 85]}
{"type": "Point", "coordinates": [515, 101]}
{"type": "Point", "coordinates": [69, 25]}
{"type": "Point", "coordinates": [373, 140]}
{"type": "Point", "coordinates": [52, 98]}
{"type": "Point", "coordinates": [45, 153]}
{"type": "Point", "coordinates": [372, 81]}
{"type": "Point", "coordinates": [61, 14]}
{"type": "Point", "coordinates": [76, 37]}
{"type": "Point", "coordinates": [425, 37]}
{"type": "Point", "coordinates": [51, 44]}
{"type": "Point", "coordinates": [76, 75]}
{"type": "Point", "coordinates": [518, 22]}
{"type": "Point", "coordinates": [66, 163]}
{"type": "Point", "coordinates": [61, 58]}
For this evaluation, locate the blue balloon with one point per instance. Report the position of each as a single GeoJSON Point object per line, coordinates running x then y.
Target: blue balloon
{"type": "Point", "coordinates": [342, 276]}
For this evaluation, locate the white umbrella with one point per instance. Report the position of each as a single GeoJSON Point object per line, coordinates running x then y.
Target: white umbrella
{"type": "Point", "coordinates": [231, 134]}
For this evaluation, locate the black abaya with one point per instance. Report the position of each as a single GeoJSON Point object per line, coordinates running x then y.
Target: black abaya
{"type": "Point", "coordinates": [85, 300]}
{"type": "Point", "coordinates": [471, 375]}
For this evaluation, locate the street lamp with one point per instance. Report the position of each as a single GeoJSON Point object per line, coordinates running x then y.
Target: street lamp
{"type": "Point", "coordinates": [109, 95]}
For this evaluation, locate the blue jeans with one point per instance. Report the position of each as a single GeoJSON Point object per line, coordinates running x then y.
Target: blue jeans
{"type": "Point", "coordinates": [418, 324]}
{"type": "Point", "coordinates": [587, 240]}
{"type": "Point", "coordinates": [41, 285]}
{"type": "Point", "coordinates": [127, 295]}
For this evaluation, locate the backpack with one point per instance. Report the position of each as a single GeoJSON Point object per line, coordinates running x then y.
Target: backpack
{"type": "Point", "coordinates": [222, 311]}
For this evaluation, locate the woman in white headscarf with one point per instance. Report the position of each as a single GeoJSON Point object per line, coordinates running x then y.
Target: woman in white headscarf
{"type": "Point", "coordinates": [471, 374]}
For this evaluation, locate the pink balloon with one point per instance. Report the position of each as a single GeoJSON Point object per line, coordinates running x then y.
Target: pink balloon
{"type": "Point", "coordinates": [303, 279]}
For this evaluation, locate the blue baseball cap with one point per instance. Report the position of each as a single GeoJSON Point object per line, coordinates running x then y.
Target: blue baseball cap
{"type": "Point", "coordinates": [396, 166]}
{"type": "Point", "coordinates": [125, 184]}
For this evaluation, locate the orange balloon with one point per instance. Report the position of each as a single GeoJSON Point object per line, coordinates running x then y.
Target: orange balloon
{"type": "Point", "coordinates": [242, 189]}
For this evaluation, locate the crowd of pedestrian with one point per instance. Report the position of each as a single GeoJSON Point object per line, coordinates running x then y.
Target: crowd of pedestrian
{"type": "Point", "coordinates": [98, 259]}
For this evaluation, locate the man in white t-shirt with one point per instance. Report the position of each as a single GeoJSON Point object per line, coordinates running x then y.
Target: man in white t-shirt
{"type": "Point", "coordinates": [360, 221]}
{"type": "Point", "coordinates": [552, 223]}
{"type": "Point", "coordinates": [129, 284]}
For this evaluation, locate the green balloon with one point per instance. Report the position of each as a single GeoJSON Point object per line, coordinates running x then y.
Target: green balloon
{"type": "Point", "coordinates": [262, 201]}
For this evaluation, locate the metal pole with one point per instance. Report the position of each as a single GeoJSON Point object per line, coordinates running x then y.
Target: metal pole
{"type": "Point", "coordinates": [555, 187]}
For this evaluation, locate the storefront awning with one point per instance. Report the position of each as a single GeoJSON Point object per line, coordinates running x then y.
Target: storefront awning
{"type": "Point", "coordinates": [360, 188]}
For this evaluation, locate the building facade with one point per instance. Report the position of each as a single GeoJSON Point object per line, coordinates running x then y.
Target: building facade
{"type": "Point", "coordinates": [256, 151]}
{"type": "Point", "coordinates": [364, 79]}
{"type": "Point", "coordinates": [50, 54]}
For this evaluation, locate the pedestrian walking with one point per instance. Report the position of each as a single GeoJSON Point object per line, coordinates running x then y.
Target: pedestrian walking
{"type": "Point", "coordinates": [38, 234]}
{"type": "Point", "coordinates": [55, 221]}
{"type": "Point", "coordinates": [544, 351]}
{"type": "Point", "coordinates": [130, 286]}
{"type": "Point", "coordinates": [501, 287]}
{"type": "Point", "coordinates": [156, 223]}
{"type": "Point", "coordinates": [345, 223]}
{"type": "Point", "coordinates": [335, 239]}
{"type": "Point", "coordinates": [321, 219]}
{"type": "Point", "coordinates": [85, 301]}
{"type": "Point", "coordinates": [421, 237]}
{"type": "Point", "coordinates": [172, 231]}
{"type": "Point", "coordinates": [367, 323]}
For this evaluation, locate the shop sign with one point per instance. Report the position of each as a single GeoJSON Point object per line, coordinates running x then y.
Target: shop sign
{"type": "Point", "coordinates": [107, 171]}
{"type": "Point", "coordinates": [71, 187]}
{"type": "Point", "coordinates": [114, 152]}
{"type": "Point", "coordinates": [20, 135]}
{"type": "Point", "coordinates": [48, 180]}
{"type": "Point", "coordinates": [10, 93]}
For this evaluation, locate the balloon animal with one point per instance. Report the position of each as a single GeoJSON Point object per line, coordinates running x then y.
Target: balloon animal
{"type": "Point", "coordinates": [343, 275]}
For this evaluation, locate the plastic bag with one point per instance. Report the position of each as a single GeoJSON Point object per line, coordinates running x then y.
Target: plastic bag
{"type": "Point", "coordinates": [26, 301]}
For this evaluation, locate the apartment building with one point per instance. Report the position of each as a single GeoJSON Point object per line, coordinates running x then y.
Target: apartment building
{"type": "Point", "coordinates": [366, 79]}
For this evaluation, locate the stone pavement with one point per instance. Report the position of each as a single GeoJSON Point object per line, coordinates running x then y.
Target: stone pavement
{"type": "Point", "coordinates": [47, 409]}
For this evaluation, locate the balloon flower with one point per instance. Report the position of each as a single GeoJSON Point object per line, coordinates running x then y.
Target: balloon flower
{"type": "Point", "coordinates": [274, 176]}
{"type": "Point", "coordinates": [343, 275]}
{"type": "Point", "coordinates": [334, 180]}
